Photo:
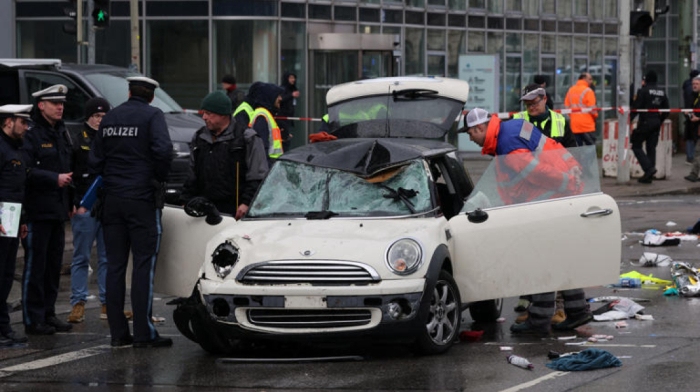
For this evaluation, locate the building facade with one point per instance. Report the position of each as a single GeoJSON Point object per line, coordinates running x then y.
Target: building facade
{"type": "Point", "coordinates": [188, 45]}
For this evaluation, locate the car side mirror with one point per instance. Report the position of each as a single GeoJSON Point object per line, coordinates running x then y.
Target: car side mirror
{"type": "Point", "coordinates": [477, 216]}
{"type": "Point", "coordinates": [200, 206]}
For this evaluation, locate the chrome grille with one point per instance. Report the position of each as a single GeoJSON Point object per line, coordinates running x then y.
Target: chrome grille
{"type": "Point", "coordinates": [321, 318]}
{"type": "Point", "coordinates": [317, 272]}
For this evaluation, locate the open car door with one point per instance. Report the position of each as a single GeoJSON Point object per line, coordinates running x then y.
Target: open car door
{"type": "Point", "coordinates": [182, 248]}
{"type": "Point", "coordinates": [550, 243]}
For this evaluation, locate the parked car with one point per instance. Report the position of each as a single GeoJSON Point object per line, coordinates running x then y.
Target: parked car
{"type": "Point", "coordinates": [21, 77]}
{"type": "Point", "coordinates": [381, 232]}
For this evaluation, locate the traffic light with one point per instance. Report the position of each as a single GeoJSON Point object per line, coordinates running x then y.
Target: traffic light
{"type": "Point", "coordinates": [642, 20]}
{"type": "Point", "coordinates": [71, 11]}
{"type": "Point", "coordinates": [100, 13]}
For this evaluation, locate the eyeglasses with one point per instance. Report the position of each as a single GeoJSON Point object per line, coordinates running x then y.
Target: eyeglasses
{"type": "Point", "coordinates": [533, 103]}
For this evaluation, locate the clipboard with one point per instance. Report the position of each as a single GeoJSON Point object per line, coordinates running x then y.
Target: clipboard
{"type": "Point", "coordinates": [91, 195]}
{"type": "Point", "coordinates": [10, 214]}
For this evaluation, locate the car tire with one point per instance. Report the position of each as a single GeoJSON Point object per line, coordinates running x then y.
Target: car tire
{"type": "Point", "coordinates": [486, 311]}
{"type": "Point", "coordinates": [209, 340]}
{"type": "Point", "coordinates": [441, 318]}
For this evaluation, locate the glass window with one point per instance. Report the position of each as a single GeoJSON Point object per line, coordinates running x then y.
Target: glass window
{"type": "Point", "coordinates": [596, 9]}
{"type": "Point", "coordinates": [514, 5]}
{"type": "Point", "coordinates": [391, 16]}
{"type": "Point", "coordinates": [513, 83]}
{"type": "Point", "coordinates": [242, 7]}
{"type": "Point", "coordinates": [611, 8]}
{"type": "Point", "coordinates": [435, 19]}
{"type": "Point", "coordinates": [436, 2]}
{"type": "Point", "coordinates": [495, 6]}
{"type": "Point", "coordinates": [178, 57]}
{"type": "Point", "coordinates": [319, 12]}
{"type": "Point", "coordinates": [456, 45]}
{"type": "Point", "coordinates": [531, 7]}
{"type": "Point", "coordinates": [457, 5]}
{"type": "Point", "coordinates": [456, 20]}
{"type": "Point", "coordinates": [580, 7]}
{"type": "Point", "coordinates": [477, 3]}
{"type": "Point", "coordinates": [345, 13]}
{"type": "Point", "coordinates": [658, 30]}
{"type": "Point", "coordinates": [514, 42]}
{"type": "Point", "coordinates": [246, 49]}
{"type": "Point", "coordinates": [436, 65]}
{"type": "Point", "coordinates": [369, 14]}
{"type": "Point", "coordinates": [549, 70]}
{"type": "Point", "coordinates": [548, 6]}
{"type": "Point", "coordinates": [415, 52]}
{"type": "Point", "coordinates": [74, 107]}
{"type": "Point", "coordinates": [415, 3]}
{"type": "Point", "coordinates": [595, 66]}
{"type": "Point", "coordinates": [436, 39]}
{"type": "Point", "coordinates": [391, 30]}
{"type": "Point", "coordinates": [369, 29]}
{"type": "Point", "coordinates": [548, 43]}
{"type": "Point", "coordinates": [415, 17]}
{"type": "Point", "coordinates": [564, 8]}
{"type": "Point", "coordinates": [477, 21]}
{"type": "Point", "coordinates": [531, 57]}
{"type": "Point", "coordinates": [564, 67]}
{"type": "Point", "coordinates": [113, 45]}
{"type": "Point", "coordinates": [581, 45]}
{"type": "Point", "coordinates": [293, 59]}
{"type": "Point", "coordinates": [611, 46]}
{"type": "Point", "coordinates": [45, 40]}
{"type": "Point", "coordinates": [476, 41]}
{"type": "Point", "coordinates": [370, 1]}
{"type": "Point", "coordinates": [494, 45]}
{"type": "Point", "coordinates": [180, 8]}
{"type": "Point", "coordinates": [112, 85]}
{"type": "Point", "coordinates": [293, 10]}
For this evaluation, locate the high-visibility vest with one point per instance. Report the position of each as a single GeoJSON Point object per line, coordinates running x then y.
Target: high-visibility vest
{"type": "Point", "coordinates": [325, 118]}
{"type": "Point", "coordinates": [244, 106]}
{"type": "Point", "coordinates": [558, 122]}
{"type": "Point", "coordinates": [576, 98]}
{"type": "Point", "coordinates": [275, 138]}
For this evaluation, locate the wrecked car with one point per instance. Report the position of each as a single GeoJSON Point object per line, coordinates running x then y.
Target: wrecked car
{"type": "Point", "coordinates": [381, 233]}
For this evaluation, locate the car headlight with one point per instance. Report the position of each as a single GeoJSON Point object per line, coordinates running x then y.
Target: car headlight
{"type": "Point", "coordinates": [224, 258]}
{"type": "Point", "coordinates": [181, 150]}
{"type": "Point", "coordinates": [404, 256]}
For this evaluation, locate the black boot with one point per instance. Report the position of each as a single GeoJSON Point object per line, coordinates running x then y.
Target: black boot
{"type": "Point", "coordinates": [61, 326]}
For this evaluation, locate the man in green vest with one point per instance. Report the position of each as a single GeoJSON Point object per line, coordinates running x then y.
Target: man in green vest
{"type": "Point", "coordinates": [551, 123]}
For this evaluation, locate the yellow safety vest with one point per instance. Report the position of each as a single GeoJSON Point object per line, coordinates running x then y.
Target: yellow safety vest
{"type": "Point", "coordinates": [275, 138]}
{"type": "Point", "coordinates": [244, 106]}
{"type": "Point", "coordinates": [558, 122]}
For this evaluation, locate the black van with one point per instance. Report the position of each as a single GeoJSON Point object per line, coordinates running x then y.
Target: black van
{"type": "Point", "coordinates": [19, 78]}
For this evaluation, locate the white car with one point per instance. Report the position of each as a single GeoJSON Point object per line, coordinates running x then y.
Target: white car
{"type": "Point", "coordinates": [382, 232]}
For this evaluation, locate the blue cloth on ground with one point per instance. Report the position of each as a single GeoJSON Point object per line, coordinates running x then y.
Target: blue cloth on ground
{"type": "Point", "coordinates": [588, 359]}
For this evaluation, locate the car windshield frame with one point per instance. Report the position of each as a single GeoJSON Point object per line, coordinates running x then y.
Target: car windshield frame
{"type": "Point", "coordinates": [114, 87]}
{"type": "Point", "coordinates": [416, 113]}
{"type": "Point", "coordinates": [301, 191]}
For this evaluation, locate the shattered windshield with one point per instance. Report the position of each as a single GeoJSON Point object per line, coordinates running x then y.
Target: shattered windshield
{"type": "Point", "coordinates": [297, 190]}
{"type": "Point", "coordinates": [406, 113]}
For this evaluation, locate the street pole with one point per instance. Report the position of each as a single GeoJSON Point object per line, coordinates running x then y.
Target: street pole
{"type": "Point", "coordinates": [135, 52]}
{"type": "Point", "coordinates": [79, 29]}
{"type": "Point", "coordinates": [685, 40]}
{"type": "Point", "coordinates": [91, 33]}
{"type": "Point", "coordinates": [623, 171]}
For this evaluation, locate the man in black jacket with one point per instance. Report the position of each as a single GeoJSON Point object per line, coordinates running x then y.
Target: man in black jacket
{"type": "Point", "coordinates": [236, 95]}
{"type": "Point", "coordinates": [690, 134]}
{"type": "Point", "coordinates": [287, 107]}
{"type": "Point", "coordinates": [132, 152]}
{"type": "Point", "coordinates": [48, 203]}
{"type": "Point", "coordinates": [649, 125]}
{"type": "Point", "coordinates": [13, 174]}
{"type": "Point", "coordinates": [228, 160]}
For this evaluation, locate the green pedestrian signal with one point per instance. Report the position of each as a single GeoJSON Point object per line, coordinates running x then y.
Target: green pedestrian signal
{"type": "Point", "coordinates": [100, 14]}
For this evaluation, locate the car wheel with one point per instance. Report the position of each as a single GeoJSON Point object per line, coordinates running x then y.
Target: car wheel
{"type": "Point", "coordinates": [442, 317]}
{"type": "Point", "coordinates": [486, 311]}
{"type": "Point", "coordinates": [209, 340]}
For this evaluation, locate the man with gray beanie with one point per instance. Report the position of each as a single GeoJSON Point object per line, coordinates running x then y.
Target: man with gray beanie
{"type": "Point", "coordinates": [228, 160]}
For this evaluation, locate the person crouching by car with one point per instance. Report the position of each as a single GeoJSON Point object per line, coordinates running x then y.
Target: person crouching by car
{"type": "Point", "coordinates": [228, 160]}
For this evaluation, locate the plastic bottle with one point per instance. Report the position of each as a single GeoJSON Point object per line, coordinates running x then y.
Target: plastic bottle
{"type": "Point", "coordinates": [631, 283]}
{"type": "Point", "coordinates": [520, 362]}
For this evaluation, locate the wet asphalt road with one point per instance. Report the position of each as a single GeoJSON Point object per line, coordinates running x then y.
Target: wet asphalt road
{"type": "Point", "coordinates": [657, 355]}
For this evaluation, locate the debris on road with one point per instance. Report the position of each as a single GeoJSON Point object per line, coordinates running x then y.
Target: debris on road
{"type": "Point", "coordinates": [617, 310]}
{"type": "Point", "coordinates": [687, 279]}
{"type": "Point", "coordinates": [644, 317]}
{"type": "Point", "coordinates": [654, 237]}
{"type": "Point", "coordinates": [520, 362]}
{"type": "Point", "coordinates": [671, 223]}
{"type": "Point", "coordinates": [621, 324]}
{"type": "Point", "coordinates": [470, 336]}
{"type": "Point", "coordinates": [649, 259]}
{"type": "Point", "coordinates": [506, 348]}
{"type": "Point", "coordinates": [646, 279]}
{"type": "Point", "coordinates": [616, 298]}
{"type": "Point", "coordinates": [588, 359]}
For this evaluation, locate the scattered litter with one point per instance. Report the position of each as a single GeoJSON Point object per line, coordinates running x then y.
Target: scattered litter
{"type": "Point", "coordinates": [520, 362]}
{"type": "Point", "coordinates": [588, 359]}
{"type": "Point", "coordinates": [470, 336]}
{"type": "Point", "coordinates": [648, 279]}
{"type": "Point", "coordinates": [506, 348]}
{"type": "Point", "coordinates": [553, 354]}
{"type": "Point", "coordinates": [566, 337]}
{"type": "Point", "coordinates": [649, 259]}
{"type": "Point", "coordinates": [616, 298]}
{"type": "Point", "coordinates": [606, 337]}
{"type": "Point", "coordinates": [158, 319]}
{"type": "Point", "coordinates": [655, 238]}
{"type": "Point", "coordinates": [157, 298]}
{"type": "Point", "coordinates": [617, 310]}
{"type": "Point", "coordinates": [501, 320]}
{"type": "Point", "coordinates": [620, 324]}
{"type": "Point", "coordinates": [90, 297]}
{"type": "Point", "coordinates": [670, 223]}
{"type": "Point", "coordinates": [624, 357]}
{"type": "Point", "coordinates": [687, 279]}
{"type": "Point", "coordinates": [624, 333]}
{"type": "Point", "coordinates": [575, 344]}
{"type": "Point", "coordinates": [645, 317]}
{"type": "Point", "coordinates": [671, 292]}
{"type": "Point", "coordinates": [628, 283]}
{"type": "Point", "coordinates": [624, 237]}
{"type": "Point", "coordinates": [595, 340]}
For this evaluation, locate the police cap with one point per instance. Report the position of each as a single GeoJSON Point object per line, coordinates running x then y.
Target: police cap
{"type": "Point", "coordinates": [55, 93]}
{"type": "Point", "coordinates": [15, 111]}
{"type": "Point", "coordinates": [143, 82]}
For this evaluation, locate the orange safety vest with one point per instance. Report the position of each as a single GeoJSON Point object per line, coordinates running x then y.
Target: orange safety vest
{"type": "Point", "coordinates": [275, 139]}
{"type": "Point", "coordinates": [581, 96]}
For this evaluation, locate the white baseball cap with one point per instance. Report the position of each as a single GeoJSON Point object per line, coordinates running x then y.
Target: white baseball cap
{"type": "Point", "coordinates": [477, 116]}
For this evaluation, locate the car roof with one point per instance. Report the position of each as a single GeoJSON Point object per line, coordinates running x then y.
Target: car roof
{"type": "Point", "coordinates": [450, 88]}
{"type": "Point", "coordinates": [366, 157]}
{"type": "Point", "coordinates": [93, 68]}
{"type": "Point", "coordinates": [33, 63]}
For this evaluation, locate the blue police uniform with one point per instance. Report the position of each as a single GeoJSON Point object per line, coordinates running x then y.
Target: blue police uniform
{"type": "Point", "coordinates": [132, 151]}
{"type": "Point", "coordinates": [47, 206]}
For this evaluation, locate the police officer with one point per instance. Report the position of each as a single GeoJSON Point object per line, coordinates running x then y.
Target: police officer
{"type": "Point", "coordinates": [228, 160]}
{"type": "Point", "coordinates": [13, 174]}
{"type": "Point", "coordinates": [648, 97]}
{"type": "Point", "coordinates": [132, 151]}
{"type": "Point", "coordinates": [48, 205]}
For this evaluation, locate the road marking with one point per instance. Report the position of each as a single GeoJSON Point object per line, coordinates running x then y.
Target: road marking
{"type": "Point", "coordinates": [55, 360]}
{"type": "Point", "coordinates": [536, 381]}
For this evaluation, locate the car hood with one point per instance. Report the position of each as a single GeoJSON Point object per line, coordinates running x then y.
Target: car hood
{"type": "Point", "coordinates": [364, 241]}
{"type": "Point", "coordinates": [182, 126]}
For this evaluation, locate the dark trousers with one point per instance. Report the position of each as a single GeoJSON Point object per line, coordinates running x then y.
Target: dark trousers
{"type": "Point", "coordinates": [131, 226]}
{"type": "Point", "coordinates": [651, 138]}
{"type": "Point", "coordinates": [8, 258]}
{"type": "Point", "coordinates": [584, 139]}
{"type": "Point", "coordinates": [542, 308]}
{"type": "Point", "coordinates": [42, 270]}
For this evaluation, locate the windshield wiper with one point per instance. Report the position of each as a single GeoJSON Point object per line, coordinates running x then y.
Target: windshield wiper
{"type": "Point", "coordinates": [320, 215]}
{"type": "Point", "coordinates": [401, 194]}
{"type": "Point", "coordinates": [413, 94]}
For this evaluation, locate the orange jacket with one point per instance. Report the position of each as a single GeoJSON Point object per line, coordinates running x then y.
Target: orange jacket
{"type": "Point", "coordinates": [581, 96]}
